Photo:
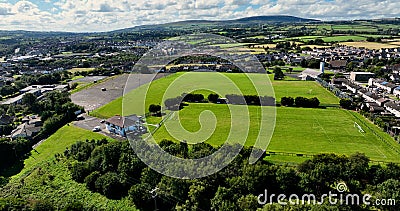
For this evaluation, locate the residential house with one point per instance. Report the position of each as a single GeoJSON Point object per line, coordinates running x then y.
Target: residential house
{"type": "Point", "coordinates": [30, 127]}
{"type": "Point", "coordinates": [310, 74]}
{"type": "Point", "coordinates": [375, 81]}
{"type": "Point", "coordinates": [389, 87]}
{"type": "Point", "coordinates": [338, 64]}
{"type": "Point", "coordinates": [122, 125]}
{"type": "Point", "coordinates": [374, 107]}
{"type": "Point", "coordinates": [393, 108]}
{"type": "Point", "coordinates": [369, 96]}
{"type": "Point", "coordinates": [351, 86]}
{"type": "Point", "coordinates": [384, 85]}
{"type": "Point", "coordinates": [382, 101]}
{"type": "Point", "coordinates": [13, 101]}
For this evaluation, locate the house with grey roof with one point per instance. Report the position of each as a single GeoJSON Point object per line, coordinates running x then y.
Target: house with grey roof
{"type": "Point", "coordinates": [393, 108]}
{"type": "Point", "coordinates": [122, 125]}
{"type": "Point", "coordinates": [30, 127]}
{"type": "Point", "coordinates": [310, 74]}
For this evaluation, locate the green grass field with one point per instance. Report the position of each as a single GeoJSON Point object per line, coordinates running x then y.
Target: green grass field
{"type": "Point", "coordinates": [281, 88]}
{"type": "Point", "coordinates": [343, 38]}
{"type": "Point", "coordinates": [355, 28]}
{"type": "Point", "coordinates": [57, 143]}
{"type": "Point", "coordinates": [298, 130]}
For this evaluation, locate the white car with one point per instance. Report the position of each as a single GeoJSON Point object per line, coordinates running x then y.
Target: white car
{"type": "Point", "coordinates": [96, 129]}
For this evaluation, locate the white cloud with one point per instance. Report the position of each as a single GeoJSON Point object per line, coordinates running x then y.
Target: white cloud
{"type": "Point", "coordinates": [105, 15]}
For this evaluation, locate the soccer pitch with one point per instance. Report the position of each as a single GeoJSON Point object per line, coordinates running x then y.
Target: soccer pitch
{"type": "Point", "coordinates": [297, 130]}
{"type": "Point", "coordinates": [154, 92]}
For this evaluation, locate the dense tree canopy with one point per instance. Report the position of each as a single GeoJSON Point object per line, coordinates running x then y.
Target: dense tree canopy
{"type": "Point", "coordinates": [113, 170]}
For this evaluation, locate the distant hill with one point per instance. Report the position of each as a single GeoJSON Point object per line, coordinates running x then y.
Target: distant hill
{"type": "Point", "coordinates": [276, 18]}
{"type": "Point", "coordinates": [210, 23]}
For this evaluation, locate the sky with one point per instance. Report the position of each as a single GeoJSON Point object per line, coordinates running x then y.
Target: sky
{"type": "Point", "coordinates": [107, 15]}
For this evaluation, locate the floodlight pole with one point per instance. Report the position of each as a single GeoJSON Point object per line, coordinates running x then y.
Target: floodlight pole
{"type": "Point", "coordinates": [154, 196]}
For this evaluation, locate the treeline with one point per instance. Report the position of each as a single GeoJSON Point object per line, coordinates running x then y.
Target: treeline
{"type": "Point", "coordinates": [100, 71]}
{"type": "Point", "coordinates": [178, 102]}
{"type": "Point", "coordinates": [114, 170]}
{"type": "Point", "coordinates": [300, 102]}
{"type": "Point", "coordinates": [250, 100]}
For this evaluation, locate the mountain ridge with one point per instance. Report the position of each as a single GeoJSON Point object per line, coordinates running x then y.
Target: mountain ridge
{"type": "Point", "coordinates": [245, 20]}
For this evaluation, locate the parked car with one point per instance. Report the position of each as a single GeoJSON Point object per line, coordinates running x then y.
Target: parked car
{"type": "Point", "coordinates": [102, 121]}
{"type": "Point", "coordinates": [80, 117]}
{"type": "Point", "coordinates": [103, 89]}
{"type": "Point", "coordinates": [96, 129]}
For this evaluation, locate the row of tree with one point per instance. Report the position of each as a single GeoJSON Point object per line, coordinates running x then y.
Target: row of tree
{"type": "Point", "coordinates": [177, 103]}
{"type": "Point", "coordinates": [250, 100]}
{"type": "Point", "coordinates": [300, 102]}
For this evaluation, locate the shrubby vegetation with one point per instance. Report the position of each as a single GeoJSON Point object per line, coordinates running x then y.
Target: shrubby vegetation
{"type": "Point", "coordinates": [278, 74]}
{"type": "Point", "coordinates": [300, 102]}
{"type": "Point", "coordinates": [234, 99]}
{"type": "Point", "coordinates": [155, 110]}
{"type": "Point", "coordinates": [213, 98]}
{"type": "Point", "coordinates": [346, 104]}
{"type": "Point", "coordinates": [307, 102]}
{"type": "Point", "coordinates": [12, 151]}
{"type": "Point", "coordinates": [287, 101]}
{"type": "Point", "coordinates": [250, 100]}
{"type": "Point", "coordinates": [56, 110]}
{"type": "Point", "coordinates": [193, 98]}
{"type": "Point", "coordinates": [310, 63]}
{"type": "Point", "coordinates": [114, 170]}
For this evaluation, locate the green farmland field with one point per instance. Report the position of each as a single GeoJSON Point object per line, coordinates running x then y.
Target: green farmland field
{"type": "Point", "coordinates": [298, 130]}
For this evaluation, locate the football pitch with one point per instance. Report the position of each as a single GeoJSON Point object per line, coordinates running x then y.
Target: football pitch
{"type": "Point", "coordinates": [297, 130]}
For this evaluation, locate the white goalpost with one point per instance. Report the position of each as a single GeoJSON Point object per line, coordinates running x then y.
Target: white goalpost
{"type": "Point", "coordinates": [359, 127]}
